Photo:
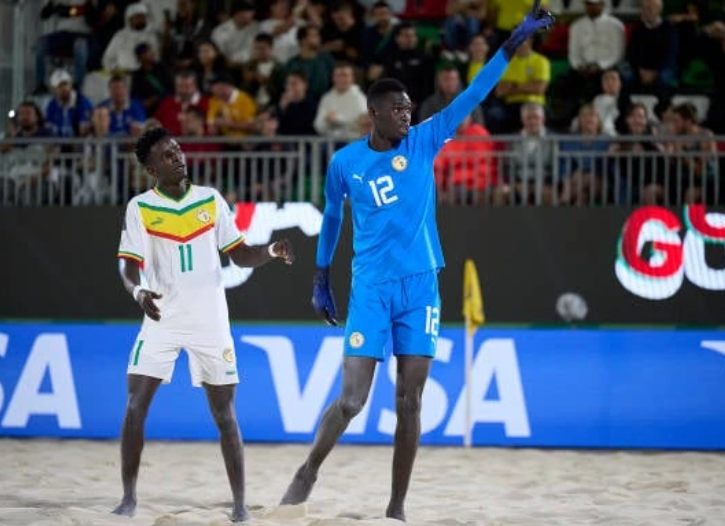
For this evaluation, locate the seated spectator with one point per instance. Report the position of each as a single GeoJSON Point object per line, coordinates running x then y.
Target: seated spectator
{"type": "Point", "coordinates": [182, 33]}
{"type": "Point", "coordinates": [377, 39]}
{"type": "Point", "coordinates": [581, 175]}
{"type": "Point", "coordinates": [530, 174]}
{"type": "Point", "coordinates": [107, 21]}
{"type": "Point", "coordinates": [340, 108]}
{"type": "Point", "coordinates": [463, 22]}
{"type": "Point", "coordinates": [69, 112]}
{"type": "Point", "coordinates": [199, 155]}
{"type": "Point", "coordinates": [596, 43]}
{"type": "Point", "coordinates": [186, 94]}
{"type": "Point", "coordinates": [28, 123]}
{"type": "Point", "coordinates": [70, 36]}
{"type": "Point", "coordinates": [477, 57]}
{"type": "Point", "coordinates": [612, 103]}
{"type": "Point", "coordinates": [408, 64]}
{"type": "Point", "coordinates": [297, 109]}
{"type": "Point", "coordinates": [693, 157]}
{"type": "Point", "coordinates": [152, 81]}
{"type": "Point", "coordinates": [161, 13]}
{"type": "Point", "coordinates": [316, 64]}
{"type": "Point", "coordinates": [282, 24]}
{"type": "Point", "coordinates": [120, 54]}
{"type": "Point", "coordinates": [638, 179]}
{"type": "Point", "coordinates": [465, 168]}
{"type": "Point", "coordinates": [525, 81]}
{"type": "Point", "coordinates": [652, 52]}
{"type": "Point", "coordinates": [127, 115]}
{"type": "Point", "coordinates": [448, 85]}
{"type": "Point", "coordinates": [343, 38]}
{"type": "Point", "coordinates": [263, 75]}
{"type": "Point", "coordinates": [235, 37]}
{"type": "Point", "coordinates": [231, 111]}
{"type": "Point", "coordinates": [209, 63]}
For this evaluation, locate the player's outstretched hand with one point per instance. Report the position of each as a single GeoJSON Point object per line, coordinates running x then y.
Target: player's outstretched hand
{"type": "Point", "coordinates": [538, 19]}
{"type": "Point", "coordinates": [322, 300]}
{"type": "Point", "coordinates": [146, 301]}
{"type": "Point", "coordinates": [283, 250]}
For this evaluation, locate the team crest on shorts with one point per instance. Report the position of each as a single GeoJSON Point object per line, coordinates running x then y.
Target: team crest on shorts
{"type": "Point", "coordinates": [356, 340]}
{"type": "Point", "coordinates": [228, 355]}
{"type": "Point", "coordinates": [399, 162]}
{"type": "Point", "coordinates": [203, 216]}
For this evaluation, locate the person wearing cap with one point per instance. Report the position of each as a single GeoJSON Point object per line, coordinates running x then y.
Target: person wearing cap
{"type": "Point", "coordinates": [235, 37]}
{"type": "Point", "coordinates": [231, 111]}
{"type": "Point", "coordinates": [68, 113]}
{"type": "Point", "coordinates": [120, 54]}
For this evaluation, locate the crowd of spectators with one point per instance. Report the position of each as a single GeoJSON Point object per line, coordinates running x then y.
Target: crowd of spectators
{"type": "Point", "coordinates": [239, 68]}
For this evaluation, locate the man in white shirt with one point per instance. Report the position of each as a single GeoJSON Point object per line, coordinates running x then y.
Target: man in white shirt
{"type": "Point", "coordinates": [120, 55]}
{"type": "Point", "coordinates": [235, 37]}
{"type": "Point", "coordinates": [596, 43]}
{"type": "Point", "coordinates": [340, 109]}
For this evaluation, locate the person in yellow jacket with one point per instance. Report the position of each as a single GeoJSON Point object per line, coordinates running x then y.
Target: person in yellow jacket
{"type": "Point", "coordinates": [231, 111]}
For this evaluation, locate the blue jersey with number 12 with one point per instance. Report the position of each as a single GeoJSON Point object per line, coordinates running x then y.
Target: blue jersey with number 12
{"type": "Point", "coordinates": [392, 193]}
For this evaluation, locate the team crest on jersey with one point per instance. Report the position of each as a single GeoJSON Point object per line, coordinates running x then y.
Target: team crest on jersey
{"type": "Point", "coordinates": [356, 340]}
{"type": "Point", "coordinates": [399, 162]}
{"type": "Point", "coordinates": [203, 216]}
{"type": "Point", "coordinates": [228, 355]}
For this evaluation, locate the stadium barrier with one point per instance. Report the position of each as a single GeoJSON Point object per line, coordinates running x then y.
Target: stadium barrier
{"type": "Point", "coordinates": [552, 388]}
{"type": "Point", "coordinates": [649, 265]}
{"type": "Point", "coordinates": [503, 171]}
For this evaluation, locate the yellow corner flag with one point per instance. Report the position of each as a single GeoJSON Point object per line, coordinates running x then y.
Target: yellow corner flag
{"type": "Point", "coordinates": [472, 298]}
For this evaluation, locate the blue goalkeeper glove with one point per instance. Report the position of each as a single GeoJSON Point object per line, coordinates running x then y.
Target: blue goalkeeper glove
{"type": "Point", "coordinates": [322, 300]}
{"type": "Point", "coordinates": [536, 20]}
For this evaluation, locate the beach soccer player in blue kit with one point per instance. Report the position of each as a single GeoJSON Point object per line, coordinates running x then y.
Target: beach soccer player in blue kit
{"type": "Point", "coordinates": [388, 178]}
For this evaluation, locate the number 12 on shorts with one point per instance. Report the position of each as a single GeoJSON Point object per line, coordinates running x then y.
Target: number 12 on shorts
{"type": "Point", "coordinates": [187, 262]}
{"type": "Point", "coordinates": [432, 320]}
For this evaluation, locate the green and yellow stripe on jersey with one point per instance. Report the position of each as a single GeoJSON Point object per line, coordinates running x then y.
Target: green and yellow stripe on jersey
{"type": "Point", "coordinates": [180, 225]}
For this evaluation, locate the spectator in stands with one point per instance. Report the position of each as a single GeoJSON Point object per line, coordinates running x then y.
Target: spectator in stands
{"type": "Point", "coordinates": [282, 24]}
{"type": "Point", "coordinates": [464, 168]}
{"type": "Point", "coordinates": [396, 7]}
{"type": "Point", "coordinates": [408, 64]}
{"type": "Point", "coordinates": [463, 22]}
{"type": "Point", "coordinates": [127, 115]}
{"type": "Point", "coordinates": [108, 20]}
{"type": "Point", "coordinates": [199, 155]}
{"type": "Point", "coordinates": [316, 64]}
{"type": "Point", "coordinates": [263, 75]}
{"type": "Point", "coordinates": [161, 13]}
{"type": "Point", "coordinates": [638, 178]}
{"type": "Point", "coordinates": [652, 52]}
{"type": "Point", "coordinates": [235, 37]}
{"type": "Point", "coordinates": [343, 38]}
{"type": "Point", "coordinates": [186, 94]}
{"type": "Point", "coordinates": [120, 54]}
{"type": "Point", "coordinates": [28, 123]}
{"type": "Point", "coordinates": [231, 111]}
{"type": "Point", "coordinates": [693, 159]}
{"type": "Point", "coordinates": [69, 112]}
{"type": "Point", "coordinates": [70, 36]}
{"type": "Point", "coordinates": [596, 43]}
{"type": "Point", "coordinates": [152, 81]}
{"type": "Point", "coordinates": [612, 103]}
{"type": "Point", "coordinates": [378, 41]}
{"type": "Point", "coordinates": [448, 85]}
{"type": "Point", "coordinates": [182, 33]}
{"type": "Point", "coordinates": [531, 166]}
{"type": "Point", "coordinates": [209, 63]}
{"type": "Point", "coordinates": [525, 81]}
{"type": "Point", "coordinates": [477, 56]}
{"type": "Point", "coordinates": [340, 108]}
{"type": "Point", "coordinates": [583, 161]}
{"type": "Point", "coordinates": [502, 16]}
{"type": "Point", "coordinates": [297, 109]}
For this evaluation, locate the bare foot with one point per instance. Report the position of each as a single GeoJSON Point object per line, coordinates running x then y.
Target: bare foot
{"type": "Point", "coordinates": [126, 508]}
{"type": "Point", "coordinates": [240, 514]}
{"type": "Point", "coordinates": [395, 512]}
{"type": "Point", "coordinates": [300, 488]}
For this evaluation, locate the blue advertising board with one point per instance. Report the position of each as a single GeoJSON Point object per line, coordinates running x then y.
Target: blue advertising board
{"type": "Point", "coordinates": [535, 387]}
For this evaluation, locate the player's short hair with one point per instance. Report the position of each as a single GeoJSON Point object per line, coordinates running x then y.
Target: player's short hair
{"type": "Point", "coordinates": [147, 141]}
{"type": "Point", "coordinates": [687, 111]}
{"type": "Point", "coordinates": [264, 37]}
{"type": "Point", "coordinates": [382, 87]}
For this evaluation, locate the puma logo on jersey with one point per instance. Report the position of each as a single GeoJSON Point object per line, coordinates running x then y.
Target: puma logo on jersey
{"type": "Point", "coordinates": [157, 221]}
{"type": "Point", "coordinates": [358, 177]}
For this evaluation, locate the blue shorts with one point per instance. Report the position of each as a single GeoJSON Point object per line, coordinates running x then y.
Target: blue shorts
{"type": "Point", "coordinates": [406, 309]}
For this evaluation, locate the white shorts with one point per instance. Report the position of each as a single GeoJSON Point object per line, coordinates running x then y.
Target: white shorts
{"type": "Point", "coordinates": [213, 363]}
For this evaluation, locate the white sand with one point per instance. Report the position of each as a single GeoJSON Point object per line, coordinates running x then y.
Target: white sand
{"type": "Point", "coordinates": [46, 482]}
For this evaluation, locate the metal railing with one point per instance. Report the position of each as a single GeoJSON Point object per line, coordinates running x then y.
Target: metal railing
{"type": "Point", "coordinates": [499, 171]}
